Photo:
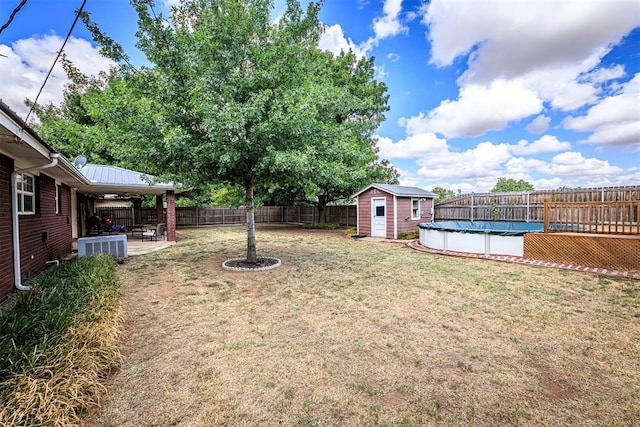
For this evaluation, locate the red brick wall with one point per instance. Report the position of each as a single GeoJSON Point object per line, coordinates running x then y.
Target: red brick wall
{"type": "Point", "coordinates": [171, 216]}
{"type": "Point", "coordinates": [6, 234]}
{"type": "Point", "coordinates": [34, 251]}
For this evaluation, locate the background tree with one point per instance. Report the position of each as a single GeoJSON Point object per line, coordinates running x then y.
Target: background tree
{"type": "Point", "coordinates": [443, 194]}
{"type": "Point", "coordinates": [510, 185]}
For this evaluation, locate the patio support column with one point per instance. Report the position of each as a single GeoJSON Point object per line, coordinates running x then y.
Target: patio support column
{"type": "Point", "coordinates": [159, 209]}
{"type": "Point", "coordinates": [171, 216]}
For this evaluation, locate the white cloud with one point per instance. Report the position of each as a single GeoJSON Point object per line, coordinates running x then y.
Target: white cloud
{"type": "Point", "coordinates": [389, 24]}
{"type": "Point", "coordinates": [478, 168]}
{"type": "Point", "coordinates": [380, 72]}
{"type": "Point", "coordinates": [393, 57]}
{"type": "Point", "coordinates": [483, 161]}
{"type": "Point", "coordinates": [539, 125]}
{"type": "Point", "coordinates": [334, 41]}
{"type": "Point", "coordinates": [600, 75]}
{"type": "Point", "coordinates": [573, 164]}
{"type": "Point", "coordinates": [509, 38]}
{"type": "Point", "coordinates": [552, 48]}
{"type": "Point", "coordinates": [478, 109]}
{"type": "Point", "coordinates": [413, 146]}
{"type": "Point", "coordinates": [386, 26]}
{"type": "Point", "coordinates": [615, 120]}
{"type": "Point", "coordinates": [28, 61]}
{"type": "Point", "coordinates": [546, 144]}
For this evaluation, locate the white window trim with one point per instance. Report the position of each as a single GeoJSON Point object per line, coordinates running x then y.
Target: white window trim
{"type": "Point", "coordinates": [419, 208]}
{"type": "Point", "coordinates": [22, 193]}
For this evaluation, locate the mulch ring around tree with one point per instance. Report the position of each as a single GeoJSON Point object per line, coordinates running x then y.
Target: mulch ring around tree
{"type": "Point", "coordinates": [241, 264]}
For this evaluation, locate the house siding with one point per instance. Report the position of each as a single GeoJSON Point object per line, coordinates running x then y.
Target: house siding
{"type": "Point", "coordinates": [6, 240]}
{"type": "Point", "coordinates": [404, 211]}
{"type": "Point", "coordinates": [364, 211]}
{"type": "Point", "coordinates": [35, 250]}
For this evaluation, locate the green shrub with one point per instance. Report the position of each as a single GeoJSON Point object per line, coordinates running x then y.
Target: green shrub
{"type": "Point", "coordinates": [57, 341]}
{"type": "Point", "coordinates": [322, 225]}
{"type": "Point", "coordinates": [408, 235]}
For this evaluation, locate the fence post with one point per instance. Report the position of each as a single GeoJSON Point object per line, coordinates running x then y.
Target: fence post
{"type": "Point", "coordinates": [197, 216]}
{"type": "Point", "coordinates": [299, 215]}
{"type": "Point", "coordinates": [528, 207]}
{"type": "Point", "coordinates": [471, 214]}
{"type": "Point", "coordinates": [223, 208]}
{"type": "Point", "coordinates": [546, 216]}
{"type": "Point", "coordinates": [268, 215]}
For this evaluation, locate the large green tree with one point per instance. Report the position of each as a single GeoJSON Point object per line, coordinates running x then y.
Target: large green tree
{"type": "Point", "coordinates": [344, 159]}
{"type": "Point", "coordinates": [236, 92]}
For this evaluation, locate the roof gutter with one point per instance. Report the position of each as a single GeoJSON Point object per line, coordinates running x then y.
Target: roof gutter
{"type": "Point", "coordinates": [14, 216]}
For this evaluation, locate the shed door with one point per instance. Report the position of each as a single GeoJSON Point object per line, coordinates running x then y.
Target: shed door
{"type": "Point", "coordinates": [378, 218]}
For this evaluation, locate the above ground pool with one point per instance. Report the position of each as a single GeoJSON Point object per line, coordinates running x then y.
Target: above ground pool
{"type": "Point", "coordinates": [478, 237]}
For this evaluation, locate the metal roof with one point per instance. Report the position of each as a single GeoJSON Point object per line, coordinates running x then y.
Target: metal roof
{"type": "Point", "coordinates": [120, 180]}
{"type": "Point", "coordinates": [399, 190]}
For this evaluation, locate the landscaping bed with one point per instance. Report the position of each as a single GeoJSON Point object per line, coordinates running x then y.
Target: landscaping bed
{"type": "Point", "coordinates": [58, 343]}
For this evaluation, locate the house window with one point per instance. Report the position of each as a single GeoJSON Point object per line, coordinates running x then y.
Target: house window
{"type": "Point", "coordinates": [26, 193]}
{"type": "Point", "coordinates": [58, 199]}
{"type": "Point", "coordinates": [415, 208]}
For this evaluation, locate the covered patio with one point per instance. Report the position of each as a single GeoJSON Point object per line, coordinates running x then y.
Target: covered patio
{"type": "Point", "coordinates": [125, 184]}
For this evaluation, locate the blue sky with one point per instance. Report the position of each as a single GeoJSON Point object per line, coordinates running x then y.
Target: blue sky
{"type": "Point", "coordinates": [546, 91]}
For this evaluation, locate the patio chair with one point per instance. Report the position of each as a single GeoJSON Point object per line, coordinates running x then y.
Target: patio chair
{"type": "Point", "coordinates": [154, 233]}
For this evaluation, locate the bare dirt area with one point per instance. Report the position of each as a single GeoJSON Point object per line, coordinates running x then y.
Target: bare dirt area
{"type": "Point", "coordinates": [353, 333]}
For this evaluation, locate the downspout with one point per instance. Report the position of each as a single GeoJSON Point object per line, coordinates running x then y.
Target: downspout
{"type": "Point", "coordinates": [14, 217]}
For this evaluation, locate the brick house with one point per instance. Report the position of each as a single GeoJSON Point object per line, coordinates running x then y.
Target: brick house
{"type": "Point", "coordinates": [387, 210]}
{"type": "Point", "coordinates": [44, 199]}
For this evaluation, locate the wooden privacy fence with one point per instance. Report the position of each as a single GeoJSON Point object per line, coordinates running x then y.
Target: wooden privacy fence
{"type": "Point", "coordinates": [525, 206]}
{"type": "Point", "coordinates": [346, 216]}
{"type": "Point", "coordinates": [592, 217]}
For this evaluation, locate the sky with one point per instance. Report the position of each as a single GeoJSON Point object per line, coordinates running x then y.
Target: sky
{"type": "Point", "coordinates": [547, 91]}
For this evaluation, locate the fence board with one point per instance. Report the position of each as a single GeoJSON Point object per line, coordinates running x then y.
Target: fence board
{"type": "Point", "coordinates": [525, 206]}
{"type": "Point", "coordinates": [346, 216]}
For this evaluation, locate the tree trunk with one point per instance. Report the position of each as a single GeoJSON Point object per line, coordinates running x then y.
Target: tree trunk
{"type": "Point", "coordinates": [252, 256]}
{"type": "Point", "coordinates": [322, 204]}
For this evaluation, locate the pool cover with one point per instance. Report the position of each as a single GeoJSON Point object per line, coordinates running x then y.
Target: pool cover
{"type": "Point", "coordinates": [491, 227]}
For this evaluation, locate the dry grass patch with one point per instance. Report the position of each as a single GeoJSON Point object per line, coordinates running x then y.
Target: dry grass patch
{"type": "Point", "coordinates": [58, 342]}
{"type": "Point", "coordinates": [354, 333]}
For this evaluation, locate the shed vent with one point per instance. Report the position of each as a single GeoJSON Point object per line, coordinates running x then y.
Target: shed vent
{"type": "Point", "coordinates": [114, 245]}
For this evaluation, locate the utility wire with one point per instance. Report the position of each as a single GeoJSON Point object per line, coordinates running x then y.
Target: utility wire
{"type": "Point", "coordinates": [13, 14]}
{"type": "Point", "coordinates": [35, 101]}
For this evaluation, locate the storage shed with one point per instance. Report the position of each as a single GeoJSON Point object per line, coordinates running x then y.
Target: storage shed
{"type": "Point", "coordinates": [387, 210]}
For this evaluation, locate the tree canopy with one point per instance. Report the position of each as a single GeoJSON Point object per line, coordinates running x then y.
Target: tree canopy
{"type": "Point", "coordinates": [510, 185]}
{"type": "Point", "coordinates": [443, 194]}
{"type": "Point", "coordinates": [231, 99]}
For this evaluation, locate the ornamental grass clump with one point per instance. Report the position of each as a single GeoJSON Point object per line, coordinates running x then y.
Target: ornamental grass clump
{"type": "Point", "coordinates": [58, 341]}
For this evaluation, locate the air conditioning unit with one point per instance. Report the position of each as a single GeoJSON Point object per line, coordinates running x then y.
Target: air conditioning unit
{"type": "Point", "coordinates": [115, 245]}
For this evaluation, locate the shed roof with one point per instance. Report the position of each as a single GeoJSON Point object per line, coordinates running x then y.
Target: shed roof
{"type": "Point", "coordinates": [400, 191]}
{"type": "Point", "coordinates": [114, 179]}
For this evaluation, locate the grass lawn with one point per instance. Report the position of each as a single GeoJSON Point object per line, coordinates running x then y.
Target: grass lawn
{"type": "Point", "coordinates": [352, 333]}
